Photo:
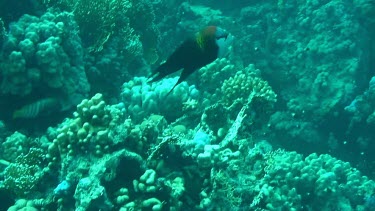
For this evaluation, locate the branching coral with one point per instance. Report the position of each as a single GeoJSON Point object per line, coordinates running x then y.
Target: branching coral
{"type": "Point", "coordinates": [126, 19]}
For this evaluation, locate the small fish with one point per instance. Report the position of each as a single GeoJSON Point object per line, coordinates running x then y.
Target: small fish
{"type": "Point", "coordinates": [37, 108]}
{"type": "Point", "coordinates": [208, 45]}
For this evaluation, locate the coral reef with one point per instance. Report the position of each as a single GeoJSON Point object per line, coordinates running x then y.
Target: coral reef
{"type": "Point", "coordinates": [98, 19]}
{"type": "Point", "coordinates": [317, 57]}
{"type": "Point", "coordinates": [284, 123]}
{"type": "Point", "coordinates": [23, 176]}
{"type": "Point", "coordinates": [315, 182]}
{"type": "Point", "coordinates": [43, 57]}
{"type": "Point", "coordinates": [214, 73]}
{"type": "Point", "coordinates": [238, 88]}
{"type": "Point", "coordinates": [142, 99]}
{"type": "Point", "coordinates": [43, 50]}
{"type": "Point", "coordinates": [91, 154]}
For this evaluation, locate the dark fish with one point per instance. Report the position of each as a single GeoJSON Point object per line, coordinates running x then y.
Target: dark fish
{"type": "Point", "coordinates": [208, 45]}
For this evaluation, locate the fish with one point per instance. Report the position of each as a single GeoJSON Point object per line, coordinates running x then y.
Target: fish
{"type": "Point", "coordinates": [37, 108]}
{"type": "Point", "coordinates": [195, 52]}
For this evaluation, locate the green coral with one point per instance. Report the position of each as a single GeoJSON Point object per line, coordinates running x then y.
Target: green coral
{"type": "Point", "coordinates": [131, 21]}
{"type": "Point", "coordinates": [215, 73]}
{"type": "Point", "coordinates": [99, 19]}
{"type": "Point", "coordinates": [289, 180]}
{"type": "Point", "coordinates": [89, 131]}
{"type": "Point", "coordinates": [246, 87]}
{"type": "Point", "coordinates": [22, 176]}
{"type": "Point", "coordinates": [142, 18]}
{"type": "Point", "coordinates": [146, 185]}
{"type": "Point", "coordinates": [240, 86]}
{"type": "Point", "coordinates": [14, 145]}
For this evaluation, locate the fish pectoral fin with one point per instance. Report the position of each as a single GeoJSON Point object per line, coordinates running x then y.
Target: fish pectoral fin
{"type": "Point", "coordinates": [152, 77]}
{"type": "Point", "coordinates": [161, 72]}
{"type": "Point", "coordinates": [185, 73]}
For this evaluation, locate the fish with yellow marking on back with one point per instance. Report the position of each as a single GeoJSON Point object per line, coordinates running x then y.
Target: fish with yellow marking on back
{"type": "Point", "coordinates": [209, 44]}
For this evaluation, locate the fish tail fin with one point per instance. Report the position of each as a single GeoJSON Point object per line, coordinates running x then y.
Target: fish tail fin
{"type": "Point", "coordinates": [17, 114]}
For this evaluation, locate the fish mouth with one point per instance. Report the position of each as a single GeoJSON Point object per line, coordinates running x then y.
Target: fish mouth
{"type": "Point", "coordinates": [225, 36]}
{"type": "Point", "coordinates": [224, 44]}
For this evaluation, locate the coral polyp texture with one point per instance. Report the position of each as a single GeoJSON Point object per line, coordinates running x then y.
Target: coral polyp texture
{"type": "Point", "coordinates": [98, 19]}
{"type": "Point", "coordinates": [43, 52]}
{"type": "Point", "coordinates": [42, 58]}
{"type": "Point", "coordinates": [245, 83]}
{"type": "Point", "coordinates": [142, 99]}
{"type": "Point", "coordinates": [89, 131]}
{"type": "Point", "coordinates": [98, 146]}
{"type": "Point", "coordinates": [284, 121]}
{"type": "Point", "coordinates": [288, 180]}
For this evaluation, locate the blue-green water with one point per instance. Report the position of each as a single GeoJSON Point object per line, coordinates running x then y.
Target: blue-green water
{"type": "Point", "coordinates": [277, 110]}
